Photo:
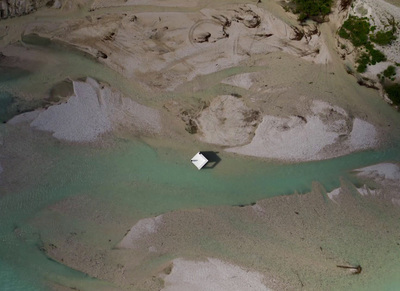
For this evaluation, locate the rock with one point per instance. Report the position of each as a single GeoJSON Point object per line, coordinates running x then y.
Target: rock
{"type": "Point", "coordinates": [12, 8]}
{"type": "Point", "coordinates": [102, 55]}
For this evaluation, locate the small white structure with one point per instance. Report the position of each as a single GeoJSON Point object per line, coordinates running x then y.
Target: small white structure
{"type": "Point", "coordinates": [199, 160]}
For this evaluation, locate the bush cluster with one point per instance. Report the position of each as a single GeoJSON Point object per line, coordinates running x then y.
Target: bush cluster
{"type": "Point", "coordinates": [383, 37]}
{"type": "Point", "coordinates": [312, 9]}
{"type": "Point", "coordinates": [356, 30]}
{"type": "Point", "coordinates": [393, 92]}
{"type": "Point", "coordinates": [389, 72]}
{"type": "Point", "coordinates": [361, 34]}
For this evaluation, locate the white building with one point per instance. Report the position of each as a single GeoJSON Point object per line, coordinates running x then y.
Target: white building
{"type": "Point", "coordinates": [199, 160]}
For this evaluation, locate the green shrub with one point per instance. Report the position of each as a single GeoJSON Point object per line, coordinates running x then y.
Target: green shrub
{"type": "Point", "coordinates": [377, 56]}
{"type": "Point", "coordinates": [389, 72]}
{"type": "Point", "coordinates": [362, 62]}
{"type": "Point", "coordinates": [393, 92]}
{"type": "Point", "coordinates": [383, 37]}
{"type": "Point", "coordinates": [312, 8]}
{"type": "Point", "coordinates": [356, 30]}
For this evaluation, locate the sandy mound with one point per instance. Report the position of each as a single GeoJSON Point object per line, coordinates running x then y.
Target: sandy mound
{"type": "Point", "coordinates": [385, 173]}
{"type": "Point", "coordinates": [379, 12]}
{"type": "Point", "coordinates": [165, 49]}
{"type": "Point", "coordinates": [212, 275]}
{"type": "Point", "coordinates": [139, 231]}
{"type": "Point", "coordinates": [24, 117]}
{"type": "Point", "coordinates": [329, 132]}
{"type": "Point", "coordinates": [90, 112]}
{"type": "Point", "coordinates": [227, 121]}
{"type": "Point", "coordinates": [171, 3]}
{"type": "Point", "coordinates": [335, 194]}
{"type": "Point", "coordinates": [386, 179]}
{"type": "Point", "coordinates": [82, 118]}
{"type": "Point", "coordinates": [240, 80]}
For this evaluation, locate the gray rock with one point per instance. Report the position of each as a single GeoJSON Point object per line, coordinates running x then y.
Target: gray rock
{"type": "Point", "coordinates": [12, 8]}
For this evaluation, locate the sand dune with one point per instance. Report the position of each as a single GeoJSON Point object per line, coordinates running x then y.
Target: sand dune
{"type": "Point", "coordinates": [212, 275]}
{"type": "Point", "coordinates": [93, 110]}
{"type": "Point", "coordinates": [328, 133]}
{"type": "Point", "coordinates": [165, 49]}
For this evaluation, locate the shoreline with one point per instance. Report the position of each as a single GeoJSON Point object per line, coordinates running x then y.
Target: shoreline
{"type": "Point", "coordinates": [100, 180]}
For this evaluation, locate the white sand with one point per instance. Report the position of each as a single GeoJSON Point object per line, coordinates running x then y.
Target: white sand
{"type": "Point", "coordinates": [363, 135]}
{"type": "Point", "coordinates": [387, 175]}
{"type": "Point", "coordinates": [82, 118]}
{"type": "Point", "coordinates": [139, 231]}
{"type": "Point", "coordinates": [24, 117]}
{"type": "Point", "coordinates": [227, 121]}
{"type": "Point", "coordinates": [211, 275]}
{"type": "Point", "coordinates": [379, 11]}
{"type": "Point", "coordinates": [325, 134]}
{"type": "Point", "coordinates": [169, 3]}
{"type": "Point", "coordinates": [161, 49]}
{"type": "Point", "coordinates": [90, 112]}
{"type": "Point", "coordinates": [334, 193]}
{"type": "Point", "coordinates": [384, 172]}
{"type": "Point", "coordinates": [240, 80]}
{"type": "Point", "coordinates": [366, 191]}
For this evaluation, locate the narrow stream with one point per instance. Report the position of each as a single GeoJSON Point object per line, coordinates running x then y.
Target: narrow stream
{"type": "Point", "coordinates": [131, 176]}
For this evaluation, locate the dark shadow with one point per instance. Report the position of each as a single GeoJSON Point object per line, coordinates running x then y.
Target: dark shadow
{"type": "Point", "coordinates": [213, 159]}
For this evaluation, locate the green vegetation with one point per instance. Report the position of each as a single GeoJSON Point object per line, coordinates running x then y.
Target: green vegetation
{"type": "Point", "coordinates": [383, 37]}
{"type": "Point", "coordinates": [356, 30]}
{"type": "Point", "coordinates": [312, 9]}
{"type": "Point", "coordinates": [360, 33]}
{"type": "Point", "coordinates": [393, 92]}
{"type": "Point", "coordinates": [371, 57]}
{"type": "Point", "coordinates": [389, 72]}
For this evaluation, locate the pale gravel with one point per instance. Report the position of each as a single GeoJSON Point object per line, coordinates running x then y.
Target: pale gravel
{"type": "Point", "coordinates": [366, 191]}
{"type": "Point", "coordinates": [382, 172]}
{"type": "Point", "coordinates": [92, 111]}
{"type": "Point", "coordinates": [240, 80]}
{"type": "Point", "coordinates": [211, 275]}
{"type": "Point", "coordinates": [334, 194]}
{"type": "Point", "coordinates": [293, 139]}
{"type": "Point", "coordinates": [363, 135]}
{"type": "Point", "coordinates": [173, 58]}
{"type": "Point", "coordinates": [140, 230]}
{"type": "Point", "coordinates": [224, 122]}
{"type": "Point", "coordinates": [378, 11]}
{"type": "Point", "coordinates": [24, 117]}
{"type": "Point", "coordinates": [82, 118]}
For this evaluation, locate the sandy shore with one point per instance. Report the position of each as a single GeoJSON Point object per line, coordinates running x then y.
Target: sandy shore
{"type": "Point", "coordinates": [384, 179]}
{"type": "Point", "coordinates": [327, 133]}
{"type": "Point", "coordinates": [93, 110]}
{"type": "Point", "coordinates": [213, 275]}
{"type": "Point", "coordinates": [169, 48]}
{"type": "Point", "coordinates": [252, 81]}
{"type": "Point", "coordinates": [178, 48]}
{"type": "Point", "coordinates": [227, 121]}
{"type": "Point", "coordinates": [382, 182]}
{"type": "Point", "coordinates": [140, 231]}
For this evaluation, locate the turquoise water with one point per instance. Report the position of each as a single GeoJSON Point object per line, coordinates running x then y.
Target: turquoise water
{"type": "Point", "coordinates": [130, 177]}
{"type": "Point", "coordinates": [136, 178]}
{"type": "Point", "coordinates": [6, 101]}
{"type": "Point", "coordinates": [11, 280]}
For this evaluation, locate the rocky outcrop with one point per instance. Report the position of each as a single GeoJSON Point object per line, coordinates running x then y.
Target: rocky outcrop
{"type": "Point", "coordinates": [12, 8]}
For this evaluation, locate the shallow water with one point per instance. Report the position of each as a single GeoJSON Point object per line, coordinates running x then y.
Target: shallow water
{"type": "Point", "coordinates": [131, 178]}
{"type": "Point", "coordinates": [134, 179]}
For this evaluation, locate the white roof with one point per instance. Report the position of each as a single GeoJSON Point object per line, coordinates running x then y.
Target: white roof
{"type": "Point", "coordinates": [199, 160]}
